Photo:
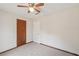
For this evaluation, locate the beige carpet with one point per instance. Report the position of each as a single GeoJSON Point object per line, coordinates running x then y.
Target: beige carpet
{"type": "Point", "coordinates": [35, 49]}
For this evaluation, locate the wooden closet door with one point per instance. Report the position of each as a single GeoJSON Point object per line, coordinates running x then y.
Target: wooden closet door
{"type": "Point", "coordinates": [21, 32]}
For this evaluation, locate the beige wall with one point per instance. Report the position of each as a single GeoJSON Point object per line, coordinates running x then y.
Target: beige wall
{"type": "Point", "coordinates": [60, 29]}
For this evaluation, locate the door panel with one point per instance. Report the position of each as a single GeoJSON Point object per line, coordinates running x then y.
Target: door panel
{"type": "Point", "coordinates": [21, 32]}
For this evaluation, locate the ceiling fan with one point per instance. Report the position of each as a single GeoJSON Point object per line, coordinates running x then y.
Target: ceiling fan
{"type": "Point", "coordinates": [32, 7]}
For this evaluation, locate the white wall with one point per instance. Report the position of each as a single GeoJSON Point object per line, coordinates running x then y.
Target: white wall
{"type": "Point", "coordinates": [8, 30]}
{"type": "Point", "coordinates": [60, 29]}
{"type": "Point", "coordinates": [36, 31]}
{"type": "Point", "coordinates": [29, 30]}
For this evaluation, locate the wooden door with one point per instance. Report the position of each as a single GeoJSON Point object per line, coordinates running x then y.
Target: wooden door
{"type": "Point", "coordinates": [21, 32]}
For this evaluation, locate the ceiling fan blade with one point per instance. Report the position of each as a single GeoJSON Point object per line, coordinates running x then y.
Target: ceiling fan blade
{"type": "Point", "coordinates": [21, 6]}
{"type": "Point", "coordinates": [37, 10]}
{"type": "Point", "coordinates": [39, 4]}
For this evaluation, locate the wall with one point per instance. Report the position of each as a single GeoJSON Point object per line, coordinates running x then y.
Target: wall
{"type": "Point", "coordinates": [8, 30]}
{"type": "Point", "coordinates": [36, 31]}
{"type": "Point", "coordinates": [29, 30]}
{"type": "Point", "coordinates": [59, 29]}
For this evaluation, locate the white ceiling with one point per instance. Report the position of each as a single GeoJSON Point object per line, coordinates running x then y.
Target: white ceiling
{"type": "Point", "coordinates": [47, 9]}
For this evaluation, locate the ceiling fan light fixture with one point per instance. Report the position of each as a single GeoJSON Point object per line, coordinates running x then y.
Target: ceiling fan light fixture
{"type": "Point", "coordinates": [31, 9]}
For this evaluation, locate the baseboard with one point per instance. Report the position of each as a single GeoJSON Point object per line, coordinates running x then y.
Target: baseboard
{"type": "Point", "coordinates": [60, 49]}
{"type": "Point", "coordinates": [8, 50]}
{"type": "Point", "coordinates": [29, 42]}
{"type": "Point", "coordinates": [14, 47]}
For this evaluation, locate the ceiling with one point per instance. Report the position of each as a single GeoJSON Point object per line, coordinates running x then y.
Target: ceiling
{"type": "Point", "coordinates": [47, 9]}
